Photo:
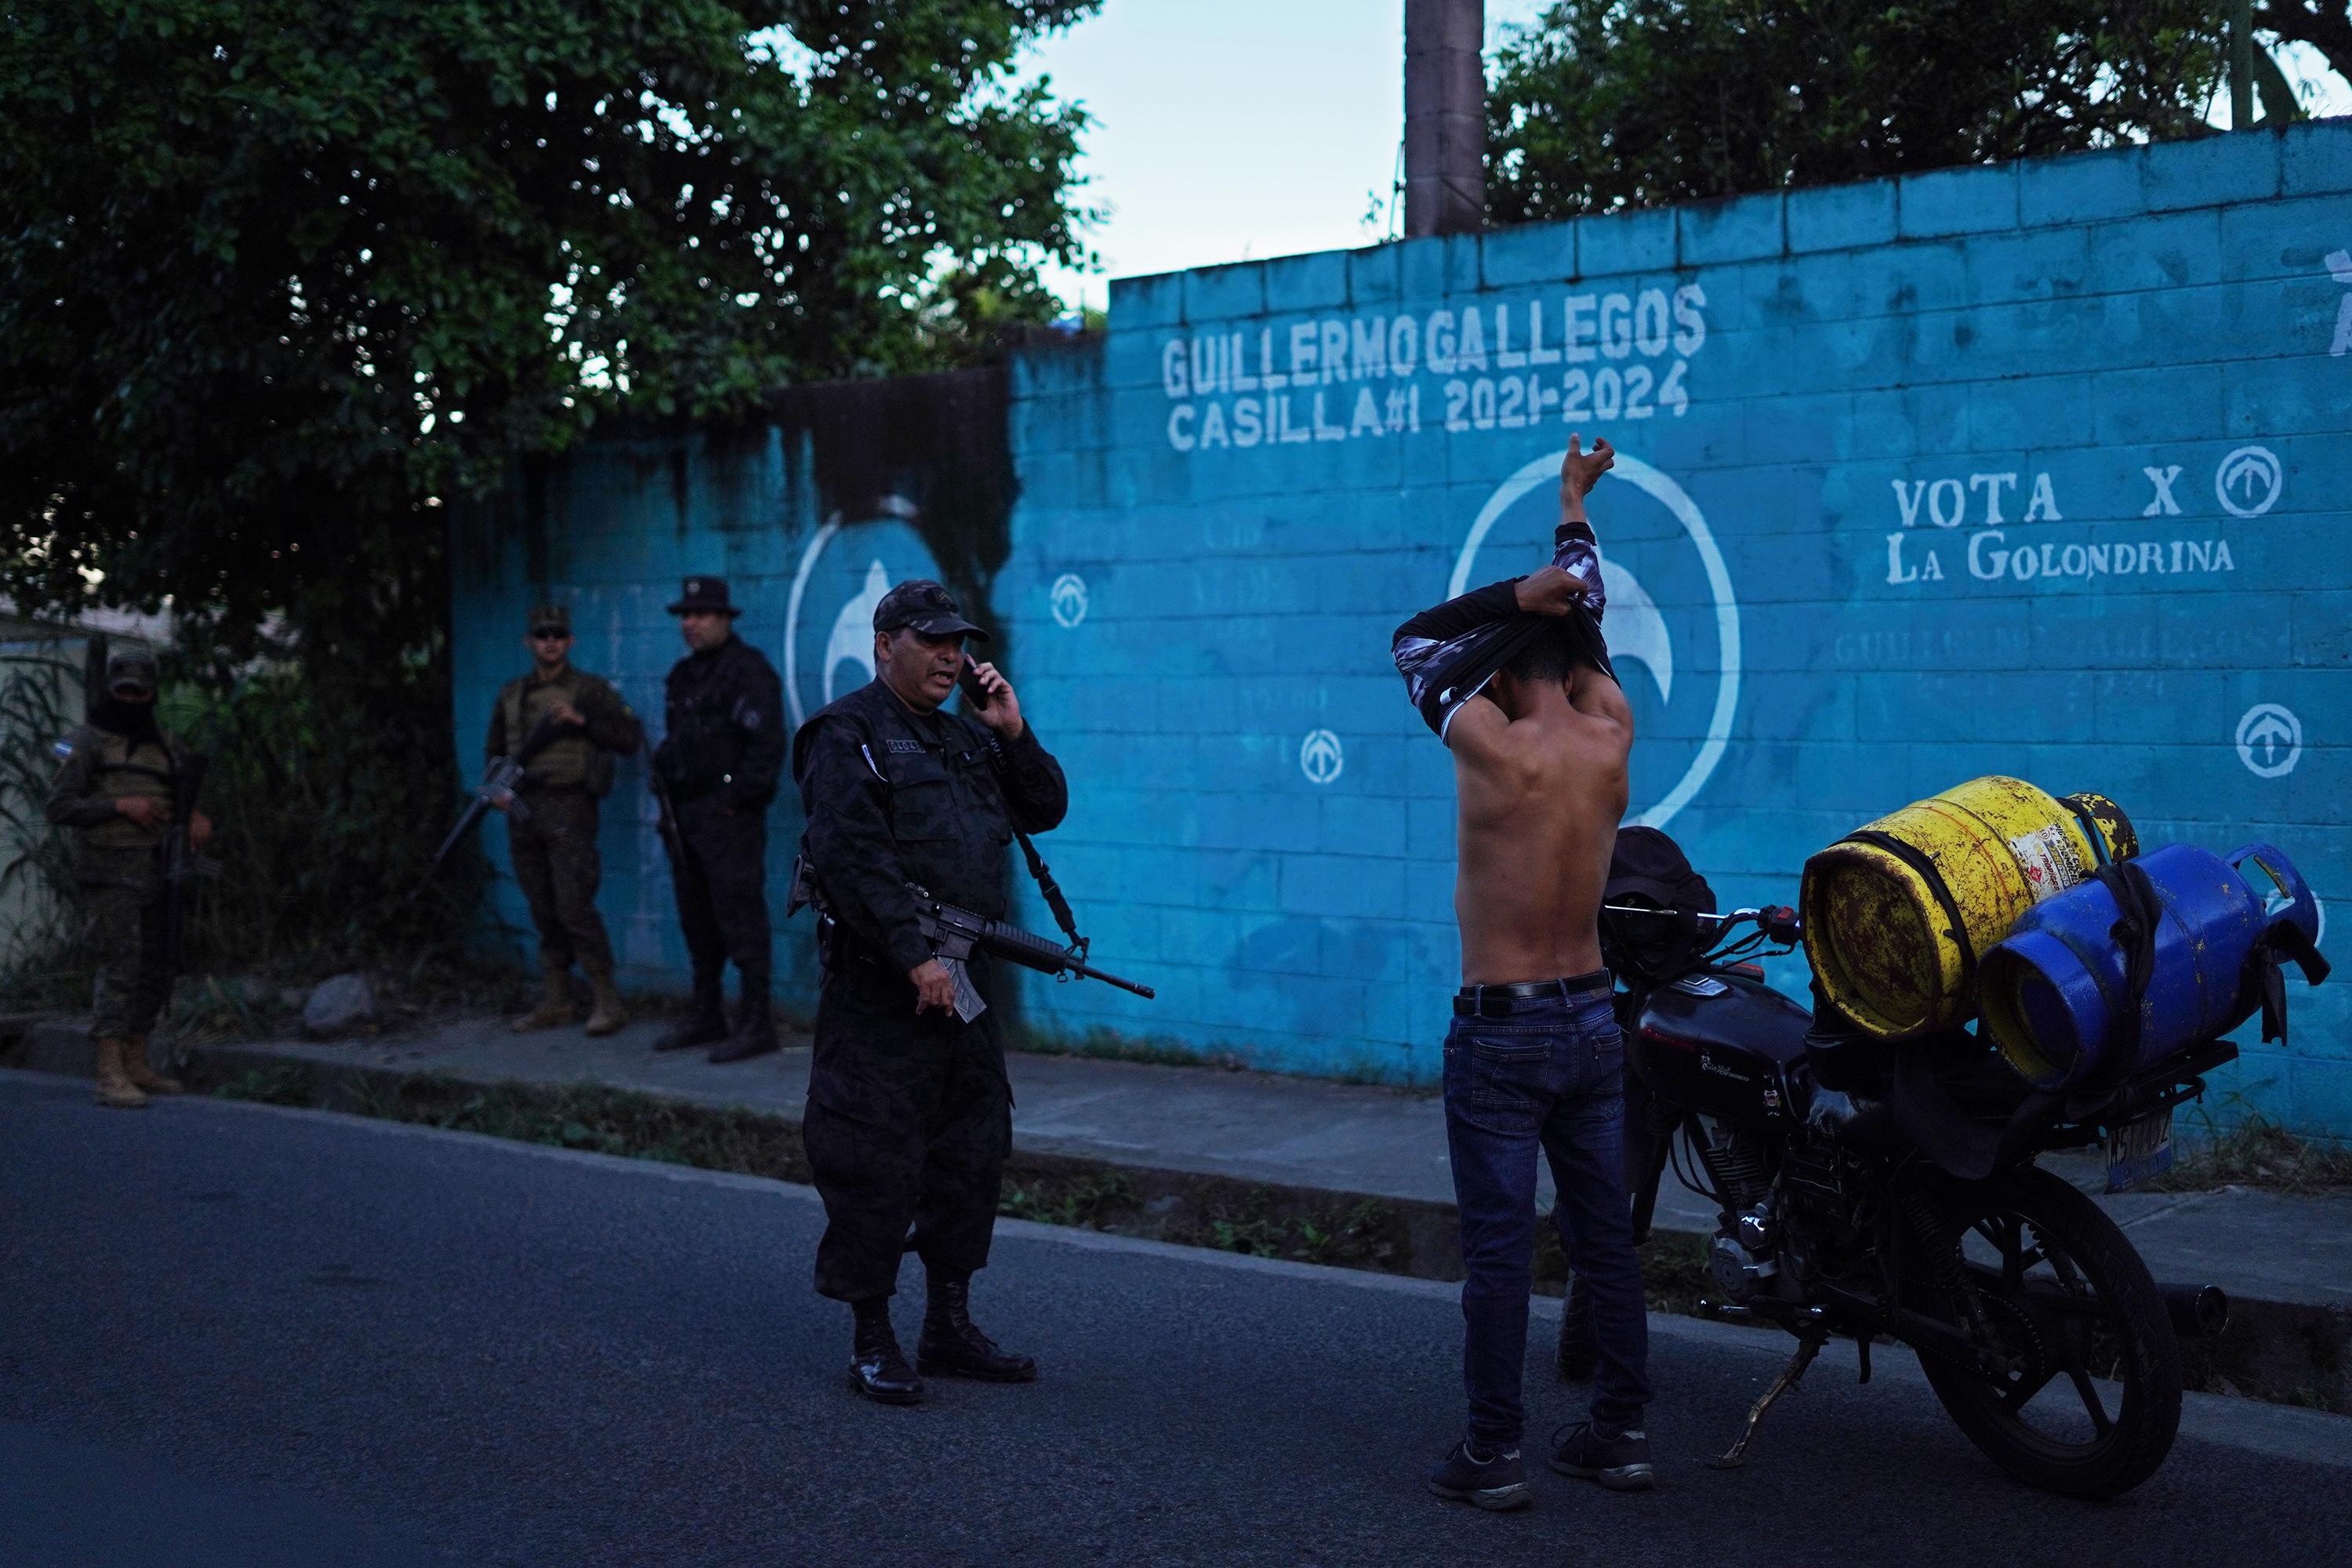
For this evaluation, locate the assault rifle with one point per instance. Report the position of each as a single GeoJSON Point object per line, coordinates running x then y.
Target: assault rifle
{"type": "Point", "coordinates": [664, 816]}
{"type": "Point", "coordinates": [498, 782]}
{"type": "Point", "coordinates": [953, 932]}
{"type": "Point", "coordinates": [182, 864]}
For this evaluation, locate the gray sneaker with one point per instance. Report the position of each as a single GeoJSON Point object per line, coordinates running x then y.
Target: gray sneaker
{"type": "Point", "coordinates": [1498, 1481]}
{"type": "Point", "coordinates": [1621, 1463]}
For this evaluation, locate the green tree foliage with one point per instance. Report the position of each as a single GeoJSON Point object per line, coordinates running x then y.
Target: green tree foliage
{"type": "Point", "coordinates": [277, 277]}
{"type": "Point", "coordinates": [271, 269]}
{"type": "Point", "coordinates": [1606, 103]}
{"type": "Point", "coordinates": [2325, 25]}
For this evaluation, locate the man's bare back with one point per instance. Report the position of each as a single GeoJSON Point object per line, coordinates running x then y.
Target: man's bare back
{"type": "Point", "coordinates": [1540, 769]}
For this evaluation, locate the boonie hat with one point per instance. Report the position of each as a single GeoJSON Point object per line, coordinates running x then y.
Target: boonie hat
{"type": "Point", "coordinates": [705, 594]}
{"type": "Point", "coordinates": [928, 607]}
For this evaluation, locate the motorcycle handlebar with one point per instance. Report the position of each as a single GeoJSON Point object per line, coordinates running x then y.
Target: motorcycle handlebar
{"type": "Point", "coordinates": [1778, 922]}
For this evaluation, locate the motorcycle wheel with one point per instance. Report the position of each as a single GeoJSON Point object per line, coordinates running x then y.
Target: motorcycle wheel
{"type": "Point", "coordinates": [2093, 1403]}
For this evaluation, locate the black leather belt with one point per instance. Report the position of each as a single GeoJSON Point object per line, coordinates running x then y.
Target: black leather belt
{"type": "Point", "coordinates": [1502, 1001]}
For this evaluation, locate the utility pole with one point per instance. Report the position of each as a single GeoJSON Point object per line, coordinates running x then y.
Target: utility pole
{"type": "Point", "coordinates": [1445, 117]}
{"type": "Point", "coordinates": [2241, 64]}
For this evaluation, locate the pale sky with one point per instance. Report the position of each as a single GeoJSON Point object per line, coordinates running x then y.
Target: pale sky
{"type": "Point", "coordinates": [1233, 130]}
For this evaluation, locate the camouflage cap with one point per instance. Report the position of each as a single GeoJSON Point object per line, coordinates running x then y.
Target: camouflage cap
{"type": "Point", "coordinates": [928, 607]}
{"type": "Point", "coordinates": [130, 673]}
{"type": "Point", "coordinates": [551, 616]}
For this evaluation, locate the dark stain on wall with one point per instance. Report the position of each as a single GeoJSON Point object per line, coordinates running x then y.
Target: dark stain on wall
{"type": "Point", "coordinates": [938, 442]}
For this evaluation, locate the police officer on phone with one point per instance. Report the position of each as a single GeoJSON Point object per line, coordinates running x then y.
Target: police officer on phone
{"type": "Point", "coordinates": [718, 762]}
{"type": "Point", "coordinates": [909, 1115]}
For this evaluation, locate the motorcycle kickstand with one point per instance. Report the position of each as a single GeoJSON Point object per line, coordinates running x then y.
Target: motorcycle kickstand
{"type": "Point", "coordinates": [1807, 1349]}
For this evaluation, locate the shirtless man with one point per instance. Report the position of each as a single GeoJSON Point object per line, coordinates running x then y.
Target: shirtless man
{"type": "Point", "coordinates": [1534, 1058]}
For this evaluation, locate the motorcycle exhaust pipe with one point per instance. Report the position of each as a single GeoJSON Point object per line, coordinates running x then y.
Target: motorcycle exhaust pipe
{"type": "Point", "coordinates": [2198, 1311]}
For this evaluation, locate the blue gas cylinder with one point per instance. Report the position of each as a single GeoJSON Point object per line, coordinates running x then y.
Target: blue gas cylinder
{"type": "Point", "coordinates": [2054, 991]}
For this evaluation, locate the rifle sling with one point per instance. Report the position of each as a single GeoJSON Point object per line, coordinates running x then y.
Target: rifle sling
{"type": "Point", "coordinates": [1041, 872]}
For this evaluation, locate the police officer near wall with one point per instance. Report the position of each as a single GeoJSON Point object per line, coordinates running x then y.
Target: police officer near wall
{"type": "Point", "coordinates": [909, 1115]}
{"type": "Point", "coordinates": [115, 789]}
{"type": "Point", "coordinates": [719, 765]}
{"type": "Point", "coordinates": [554, 841]}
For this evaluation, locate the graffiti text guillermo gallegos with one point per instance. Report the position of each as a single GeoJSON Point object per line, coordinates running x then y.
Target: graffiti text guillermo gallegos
{"type": "Point", "coordinates": [1562, 359]}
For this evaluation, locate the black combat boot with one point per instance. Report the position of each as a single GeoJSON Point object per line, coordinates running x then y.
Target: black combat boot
{"type": "Point", "coordinates": [877, 1367]}
{"type": "Point", "coordinates": [755, 1026]}
{"type": "Point", "coordinates": [952, 1345]}
{"type": "Point", "coordinates": [706, 1023]}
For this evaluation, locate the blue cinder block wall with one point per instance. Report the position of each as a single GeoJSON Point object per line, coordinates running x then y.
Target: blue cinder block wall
{"type": "Point", "coordinates": [2040, 469]}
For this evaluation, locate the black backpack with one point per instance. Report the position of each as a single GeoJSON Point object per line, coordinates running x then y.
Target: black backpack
{"type": "Point", "coordinates": [1649, 871]}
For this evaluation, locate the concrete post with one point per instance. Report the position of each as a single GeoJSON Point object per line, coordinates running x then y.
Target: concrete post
{"type": "Point", "coordinates": [1445, 117]}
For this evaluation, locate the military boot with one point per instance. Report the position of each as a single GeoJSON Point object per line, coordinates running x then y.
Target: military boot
{"type": "Point", "coordinates": [554, 1009]}
{"type": "Point", "coordinates": [114, 1085]}
{"type": "Point", "coordinates": [952, 1344]}
{"type": "Point", "coordinates": [877, 1367]}
{"type": "Point", "coordinates": [608, 1013]}
{"type": "Point", "coordinates": [706, 1023]}
{"type": "Point", "coordinates": [135, 1068]}
{"type": "Point", "coordinates": [755, 1026]}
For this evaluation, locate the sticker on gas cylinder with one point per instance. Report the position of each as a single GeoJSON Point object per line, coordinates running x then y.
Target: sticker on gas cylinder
{"type": "Point", "coordinates": [2049, 859]}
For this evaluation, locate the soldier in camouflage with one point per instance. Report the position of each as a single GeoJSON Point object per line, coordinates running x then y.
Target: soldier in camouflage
{"type": "Point", "coordinates": [909, 1115]}
{"type": "Point", "coordinates": [115, 791]}
{"type": "Point", "coordinates": [554, 850]}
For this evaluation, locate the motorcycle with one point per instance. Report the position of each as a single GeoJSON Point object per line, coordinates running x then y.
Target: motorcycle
{"type": "Point", "coordinates": [1890, 1192]}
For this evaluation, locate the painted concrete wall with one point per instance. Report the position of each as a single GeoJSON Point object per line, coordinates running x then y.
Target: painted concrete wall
{"type": "Point", "coordinates": [2039, 469]}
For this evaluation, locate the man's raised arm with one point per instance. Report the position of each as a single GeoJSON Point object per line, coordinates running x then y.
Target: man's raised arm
{"type": "Point", "coordinates": [1447, 653]}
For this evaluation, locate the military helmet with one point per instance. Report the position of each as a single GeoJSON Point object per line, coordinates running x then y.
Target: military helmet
{"type": "Point", "coordinates": [131, 673]}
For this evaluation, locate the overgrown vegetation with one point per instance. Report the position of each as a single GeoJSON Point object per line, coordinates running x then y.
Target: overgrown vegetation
{"type": "Point", "coordinates": [39, 963]}
{"type": "Point", "coordinates": [279, 280]}
{"type": "Point", "coordinates": [2255, 1152]}
{"type": "Point", "coordinates": [1602, 104]}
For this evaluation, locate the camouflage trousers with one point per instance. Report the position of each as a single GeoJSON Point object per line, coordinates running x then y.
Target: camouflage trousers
{"type": "Point", "coordinates": [125, 915]}
{"type": "Point", "coordinates": [556, 865]}
{"type": "Point", "coordinates": [909, 1125]}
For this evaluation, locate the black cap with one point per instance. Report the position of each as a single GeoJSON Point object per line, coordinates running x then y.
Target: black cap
{"type": "Point", "coordinates": [705, 594]}
{"type": "Point", "coordinates": [928, 607]}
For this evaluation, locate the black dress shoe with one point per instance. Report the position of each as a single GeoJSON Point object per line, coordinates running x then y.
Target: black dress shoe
{"type": "Point", "coordinates": [699, 1030]}
{"type": "Point", "coordinates": [877, 1368]}
{"type": "Point", "coordinates": [953, 1346]}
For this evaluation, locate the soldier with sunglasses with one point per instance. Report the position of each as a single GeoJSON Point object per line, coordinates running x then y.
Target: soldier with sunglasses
{"type": "Point", "coordinates": [555, 859]}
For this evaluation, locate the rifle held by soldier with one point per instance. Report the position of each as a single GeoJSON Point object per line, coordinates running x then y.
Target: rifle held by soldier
{"type": "Point", "coordinates": [953, 933]}
{"type": "Point", "coordinates": [182, 864]}
{"type": "Point", "coordinates": [497, 789]}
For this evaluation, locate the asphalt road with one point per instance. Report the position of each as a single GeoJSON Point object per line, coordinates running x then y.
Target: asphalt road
{"type": "Point", "coordinates": [237, 1335]}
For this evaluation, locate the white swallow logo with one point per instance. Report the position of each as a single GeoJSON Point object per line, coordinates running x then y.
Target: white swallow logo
{"type": "Point", "coordinates": [1635, 630]}
{"type": "Point", "coordinates": [852, 641]}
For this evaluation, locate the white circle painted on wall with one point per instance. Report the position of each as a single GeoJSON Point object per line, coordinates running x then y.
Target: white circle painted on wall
{"type": "Point", "coordinates": [1321, 757]}
{"type": "Point", "coordinates": [1635, 628]}
{"type": "Point", "coordinates": [2270, 741]}
{"type": "Point", "coordinates": [1068, 599]}
{"type": "Point", "coordinates": [2249, 480]}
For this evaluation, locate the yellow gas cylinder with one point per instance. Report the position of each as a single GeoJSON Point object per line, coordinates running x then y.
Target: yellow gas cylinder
{"type": "Point", "coordinates": [1896, 913]}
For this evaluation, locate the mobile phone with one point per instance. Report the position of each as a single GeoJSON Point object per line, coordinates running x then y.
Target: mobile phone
{"type": "Point", "coordinates": [968, 677]}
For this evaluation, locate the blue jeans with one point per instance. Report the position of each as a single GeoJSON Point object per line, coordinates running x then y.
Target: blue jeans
{"type": "Point", "coordinates": [1550, 1074]}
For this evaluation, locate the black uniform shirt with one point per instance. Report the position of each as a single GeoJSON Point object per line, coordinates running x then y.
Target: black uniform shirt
{"type": "Point", "coordinates": [894, 797]}
{"type": "Point", "coordinates": [725, 726]}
